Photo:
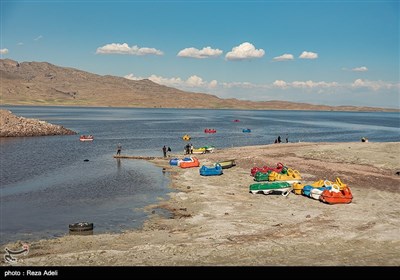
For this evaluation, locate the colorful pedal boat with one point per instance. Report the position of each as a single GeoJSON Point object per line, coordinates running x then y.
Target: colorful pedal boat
{"type": "Point", "coordinates": [211, 171]}
{"type": "Point", "coordinates": [337, 197]}
{"type": "Point", "coordinates": [188, 164]}
{"type": "Point", "coordinates": [314, 192]}
{"type": "Point", "coordinates": [292, 176]}
{"type": "Point", "coordinates": [225, 164]}
{"type": "Point", "coordinates": [298, 187]}
{"type": "Point", "coordinates": [280, 168]}
{"type": "Point", "coordinates": [260, 176]}
{"type": "Point", "coordinates": [271, 187]}
{"type": "Point", "coordinates": [177, 161]}
{"type": "Point", "coordinates": [338, 184]}
{"type": "Point", "coordinates": [204, 150]}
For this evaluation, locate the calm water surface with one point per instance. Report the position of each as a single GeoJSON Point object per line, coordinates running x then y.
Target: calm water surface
{"type": "Point", "coordinates": [45, 183]}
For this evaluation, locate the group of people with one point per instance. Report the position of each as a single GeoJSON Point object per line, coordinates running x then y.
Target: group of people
{"type": "Point", "coordinates": [279, 140]}
{"type": "Point", "coordinates": [189, 149]}
{"type": "Point", "coordinates": [166, 149]}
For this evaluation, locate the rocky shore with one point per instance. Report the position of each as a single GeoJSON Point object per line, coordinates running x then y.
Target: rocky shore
{"type": "Point", "coordinates": [14, 126]}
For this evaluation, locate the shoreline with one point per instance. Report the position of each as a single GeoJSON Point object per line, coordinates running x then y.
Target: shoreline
{"type": "Point", "coordinates": [357, 110]}
{"type": "Point", "coordinates": [216, 221]}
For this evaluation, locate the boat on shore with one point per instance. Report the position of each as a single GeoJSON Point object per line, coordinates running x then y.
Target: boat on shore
{"type": "Point", "coordinates": [225, 164]}
{"type": "Point", "coordinates": [211, 171]}
{"type": "Point", "coordinates": [283, 188]}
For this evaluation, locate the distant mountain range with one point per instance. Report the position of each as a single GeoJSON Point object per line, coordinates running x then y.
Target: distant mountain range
{"type": "Point", "coordinates": [42, 83]}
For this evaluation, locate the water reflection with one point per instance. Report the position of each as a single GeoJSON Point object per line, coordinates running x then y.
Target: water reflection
{"type": "Point", "coordinates": [119, 164]}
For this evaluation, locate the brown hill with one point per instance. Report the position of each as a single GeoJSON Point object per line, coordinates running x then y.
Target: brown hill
{"type": "Point", "coordinates": [42, 83]}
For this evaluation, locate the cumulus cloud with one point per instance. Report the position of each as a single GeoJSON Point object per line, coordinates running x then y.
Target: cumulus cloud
{"type": "Point", "coordinates": [38, 38]}
{"type": "Point", "coordinates": [308, 55]}
{"type": "Point", "coordinates": [304, 84]}
{"type": "Point", "coordinates": [374, 85]}
{"type": "Point", "coordinates": [203, 53]}
{"type": "Point", "coordinates": [247, 85]}
{"type": "Point", "coordinates": [244, 51]}
{"type": "Point", "coordinates": [196, 83]}
{"type": "Point", "coordinates": [280, 84]}
{"type": "Point", "coordinates": [190, 83]}
{"type": "Point", "coordinates": [360, 69]}
{"type": "Point", "coordinates": [284, 57]}
{"type": "Point", "coordinates": [115, 48]}
{"type": "Point", "coordinates": [3, 51]}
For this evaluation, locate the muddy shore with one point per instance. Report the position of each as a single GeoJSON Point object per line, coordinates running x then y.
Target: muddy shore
{"type": "Point", "coordinates": [216, 221]}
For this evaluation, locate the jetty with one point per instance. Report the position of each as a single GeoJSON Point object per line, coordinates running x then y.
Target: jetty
{"type": "Point", "coordinates": [138, 157]}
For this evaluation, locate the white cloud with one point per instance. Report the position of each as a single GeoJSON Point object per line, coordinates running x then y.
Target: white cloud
{"type": "Point", "coordinates": [308, 55]}
{"type": "Point", "coordinates": [247, 85]}
{"type": "Point", "coordinates": [203, 53]}
{"type": "Point", "coordinates": [3, 51]}
{"type": "Point", "coordinates": [192, 82]}
{"type": "Point", "coordinates": [360, 69]}
{"type": "Point", "coordinates": [307, 84]}
{"type": "Point", "coordinates": [280, 84]}
{"type": "Point", "coordinates": [374, 85]}
{"type": "Point", "coordinates": [244, 51]}
{"type": "Point", "coordinates": [20, 44]}
{"type": "Point", "coordinates": [284, 57]}
{"type": "Point", "coordinates": [115, 48]}
{"type": "Point", "coordinates": [196, 83]}
{"type": "Point", "coordinates": [38, 38]}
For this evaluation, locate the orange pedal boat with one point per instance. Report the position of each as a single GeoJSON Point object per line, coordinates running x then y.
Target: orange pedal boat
{"type": "Point", "coordinates": [342, 196]}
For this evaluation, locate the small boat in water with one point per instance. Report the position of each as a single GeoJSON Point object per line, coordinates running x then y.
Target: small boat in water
{"type": "Point", "coordinates": [86, 138]}
{"type": "Point", "coordinates": [246, 130]}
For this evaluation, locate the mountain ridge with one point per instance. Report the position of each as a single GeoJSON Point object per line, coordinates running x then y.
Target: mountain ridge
{"type": "Point", "coordinates": [42, 83]}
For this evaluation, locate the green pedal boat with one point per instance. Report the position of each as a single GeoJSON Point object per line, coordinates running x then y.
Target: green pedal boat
{"type": "Point", "coordinates": [271, 187]}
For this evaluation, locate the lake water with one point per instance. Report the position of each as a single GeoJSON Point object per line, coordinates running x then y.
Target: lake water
{"type": "Point", "coordinates": [45, 183]}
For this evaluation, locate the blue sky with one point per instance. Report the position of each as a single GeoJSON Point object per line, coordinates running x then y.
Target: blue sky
{"type": "Point", "coordinates": [320, 52]}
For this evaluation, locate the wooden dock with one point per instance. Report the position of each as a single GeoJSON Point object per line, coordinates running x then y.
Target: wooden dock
{"type": "Point", "coordinates": [137, 157]}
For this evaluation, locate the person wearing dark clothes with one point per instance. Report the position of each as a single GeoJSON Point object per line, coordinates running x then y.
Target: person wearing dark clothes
{"type": "Point", "coordinates": [279, 139]}
{"type": "Point", "coordinates": [164, 149]}
{"type": "Point", "coordinates": [119, 148]}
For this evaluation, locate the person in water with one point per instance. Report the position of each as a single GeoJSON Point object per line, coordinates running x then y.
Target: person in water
{"type": "Point", "coordinates": [119, 148]}
{"type": "Point", "coordinates": [164, 149]}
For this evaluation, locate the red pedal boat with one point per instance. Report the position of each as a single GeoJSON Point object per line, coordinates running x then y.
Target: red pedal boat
{"type": "Point", "coordinates": [86, 138]}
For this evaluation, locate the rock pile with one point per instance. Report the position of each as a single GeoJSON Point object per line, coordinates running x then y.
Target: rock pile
{"type": "Point", "coordinates": [14, 126]}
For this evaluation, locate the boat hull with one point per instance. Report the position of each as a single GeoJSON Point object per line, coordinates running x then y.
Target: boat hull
{"type": "Point", "coordinates": [271, 187]}
{"type": "Point", "coordinates": [227, 163]}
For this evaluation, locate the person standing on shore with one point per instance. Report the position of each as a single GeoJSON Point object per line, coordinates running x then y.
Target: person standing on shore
{"type": "Point", "coordinates": [119, 148]}
{"type": "Point", "coordinates": [164, 149]}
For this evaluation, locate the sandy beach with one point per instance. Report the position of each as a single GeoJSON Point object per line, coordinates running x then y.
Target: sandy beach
{"type": "Point", "coordinates": [216, 221]}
